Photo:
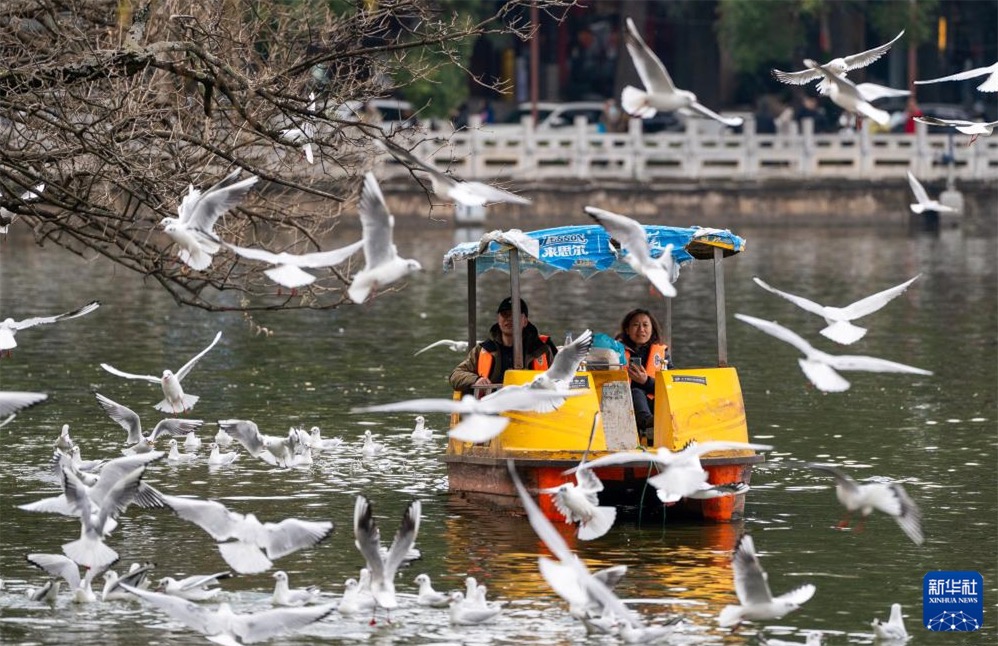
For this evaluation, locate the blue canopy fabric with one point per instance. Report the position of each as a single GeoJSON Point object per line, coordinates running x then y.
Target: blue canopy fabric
{"type": "Point", "coordinates": [587, 250]}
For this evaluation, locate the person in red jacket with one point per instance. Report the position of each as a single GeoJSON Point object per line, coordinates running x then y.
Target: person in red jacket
{"type": "Point", "coordinates": [646, 353]}
{"type": "Point", "coordinates": [489, 360]}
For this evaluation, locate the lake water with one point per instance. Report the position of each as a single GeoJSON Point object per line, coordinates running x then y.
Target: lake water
{"type": "Point", "coordinates": [935, 434]}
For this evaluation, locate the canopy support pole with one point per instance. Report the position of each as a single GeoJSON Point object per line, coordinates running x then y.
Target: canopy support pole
{"type": "Point", "coordinates": [514, 289]}
{"type": "Point", "coordinates": [722, 330]}
{"type": "Point", "coordinates": [472, 304]}
{"type": "Point", "coordinates": [667, 332]}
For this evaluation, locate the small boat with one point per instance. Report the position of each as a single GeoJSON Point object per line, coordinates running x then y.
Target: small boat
{"type": "Point", "coordinates": [691, 404]}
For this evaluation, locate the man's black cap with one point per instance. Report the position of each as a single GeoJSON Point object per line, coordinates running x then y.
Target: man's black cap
{"type": "Point", "coordinates": [507, 305]}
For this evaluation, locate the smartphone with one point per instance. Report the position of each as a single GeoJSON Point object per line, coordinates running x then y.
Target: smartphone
{"type": "Point", "coordinates": [635, 361]}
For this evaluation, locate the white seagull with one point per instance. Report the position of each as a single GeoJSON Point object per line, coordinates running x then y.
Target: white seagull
{"type": "Point", "coordinates": [64, 567]}
{"type": "Point", "coordinates": [319, 443]}
{"type": "Point", "coordinates": [288, 270]}
{"type": "Point", "coordinates": [822, 368]}
{"type": "Point", "coordinates": [888, 497]}
{"type": "Point", "coordinates": [217, 458]}
{"type": "Point", "coordinates": [447, 187]}
{"type": "Point", "coordinates": [973, 128]}
{"type": "Point", "coordinates": [129, 420]}
{"type": "Point", "coordinates": [990, 84]}
{"type": "Point", "coordinates": [9, 327]}
{"type": "Point", "coordinates": [7, 217]}
{"type": "Point", "coordinates": [838, 319]}
{"type": "Point", "coordinates": [194, 231]}
{"type": "Point", "coordinates": [367, 538]}
{"type": "Point", "coordinates": [369, 447]}
{"type": "Point", "coordinates": [174, 454]}
{"type": "Point", "coordinates": [382, 264]}
{"type": "Point", "coordinates": [924, 202]}
{"type": "Point", "coordinates": [454, 346]}
{"type": "Point", "coordinates": [847, 96]}
{"type": "Point", "coordinates": [578, 503]}
{"type": "Point", "coordinates": [12, 401]}
{"type": "Point", "coordinates": [174, 398]}
{"type": "Point", "coordinates": [838, 66]}
{"type": "Point", "coordinates": [302, 135]}
{"type": "Point", "coordinates": [419, 432]}
{"type": "Point", "coordinates": [137, 576]}
{"type": "Point", "coordinates": [893, 629]}
{"type": "Point", "coordinates": [246, 544]}
{"type": "Point", "coordinates": [660, 93]}
{"type": "Point", "coordinates": [751, 586]}
{"type": "Point", "coordinates": [661, 271]}
{"type": "Point", "coordinates": [198, 587]}
{"type": "Point", "coordinates": [192, 442]}
{"type": "Point", "coordinates": [285, 596]}
{"type": "Point", "coordinates": [355, 599]}
{"type": "Point", "coordinates": [682, 474]}
{"type": "Point", "coordinates": [427, 596]}
{"type": "Point", "coordinates": [223, 626]}
{"type": "Point", "coordinates": [467, 612]}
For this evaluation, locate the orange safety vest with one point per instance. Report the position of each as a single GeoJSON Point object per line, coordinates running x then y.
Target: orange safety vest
{"type": "Point", "coordinates": [656, 359]}
{"type": "Point", "coordinates": [485, 360]}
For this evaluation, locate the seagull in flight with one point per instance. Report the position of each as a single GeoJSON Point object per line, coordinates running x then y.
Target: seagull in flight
{"type": "Point", "coordinates": [302, 134]}
{"type": "Point", "coordinates": [837, 66]}
{"type": "Point", "coordinates": [129, 420]}
{"type": "Point", "coordinates": [755, 600]}
{"type": "Point", "coordinates": [888, 497]}
{"type": "Point", "coordinates": [288, 268]}
{"type": "Point", "coordinates": [847, 96]}
{"type": "Point", "coordinates": [631, 235]}
{"type": "Point", "coordinates": [660, 93]}
{"type": "Point", "coordinates": [973, 128]}
{"type": "Point", "coordinates": [924, 202]}
{"type": "Point", "coordinates": [64, 567]}
{"type": "Point", "coordinates": [453, 189]}
{"type": "Point", "coordinates": [194, 231]}
{"type": "Point", "coordinates": [7, 217]}
{"type": "Point", "coordinates": [274, 450]}
{"type": "Point", "coordinates": [9, 327]}
{"type": "Point", "coordinates": [822, 368]}
{"type": "Point", "coordinates": [367, 538]}
{"type": "Point", "coordinates": [174, 399]}
{"type": "Point", "coordinates": [13, 401]}
{"type": "Point", "coordinates": [223, 626]}
{"type": "Point", "coordinates": [579, 503]}
{"type": "Point", "coordinates": [990, 84]}
{"type": "Point", "coordinates": [839, 328]}
{"type": "Point", "coordinates": [382, 264]}
{"type": "Point", "coordinates": [453, 346]}
{"type": "Point", "coordinates": [248, 545]}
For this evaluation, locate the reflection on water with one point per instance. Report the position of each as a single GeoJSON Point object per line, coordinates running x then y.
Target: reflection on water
{"type": "Point", "coordinates": [934, 434]}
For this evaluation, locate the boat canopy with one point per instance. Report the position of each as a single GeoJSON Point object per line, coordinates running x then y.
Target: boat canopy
{"type": "Point", "coordinates": [587, 249]}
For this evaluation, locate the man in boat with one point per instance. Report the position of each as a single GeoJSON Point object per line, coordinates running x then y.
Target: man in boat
{"type": "Point", "coordinates": [489, 360]}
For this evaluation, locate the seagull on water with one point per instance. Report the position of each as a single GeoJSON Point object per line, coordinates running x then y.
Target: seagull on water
{"type": "Point", "coordinates": [193, 231]}
{"type": "Point", "coordinates": [820, 367]}
{"type": "Point", "coordinates": [64, 567]}
{"type": "Point", "coordinates": [838, 66]}
{"type": "Point", "coordinates": [246, 544]}
{"type": "Point", "coordinates": [284, 595]}
{"type": "Point", "coordinates": [893, 629]}
{"type": "Point", "coordinates": [454, 346]}
{"type": "Point", "coordinates": [223, 626]}
{"type": "Point", "coordinates": [355, 599]}
{"type": "Point", "coordinates": [990, 84]}
{"type": "Point", "coordinates": [137, 576]}
{"type": "Point", "coordinates": [888, 497]}
{"type": "Point", "coordinates": [751, 585]}
{"type": "Point", "coordinates": [175, 400]}
{"type": "Point", "coordinates": [129, 420]}
{"type": "Point", "coordinates": [427, 596]}
{"type": "Point", "coordinates": [839, 328]}
{"type": "Point", "coordinates": [198, 587]}
{"type": "Point", "coordinates": [661, 271]}
{"type": "Point", "coordinates": [175, 455]}
{"type": "Point", "coordinates": [367, 538]}
{"type": "Point", "coordinates": [288, 270]}
{"type": "Point", "coordinates": [660, 93]}
{"type": "Point", "coordinates": [419, 432]}
{"type": "Point", "coordinates": [450, 188]}
{"type": "Point", "coordinates": [192, 442]}
{"type": "Point", "coordinates": [382, 264]}
{"type": "Point", "coordinates": [467, 612]}
{"type": "Point", "coordinates": [9, 327]}
{"type": "Point", "coordinates": [217, 458]}
{"type": "Point", "coordinates": [924, 202]}
{"type": "Point", "coordinates": [318, 443]}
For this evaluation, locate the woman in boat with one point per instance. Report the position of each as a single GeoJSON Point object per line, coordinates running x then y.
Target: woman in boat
{"type": "Point", "coordinates": [645, 354]}
{"type": "Point", "coordinates": [489, 360]}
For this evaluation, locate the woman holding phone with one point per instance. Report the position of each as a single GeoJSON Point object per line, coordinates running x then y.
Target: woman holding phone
{"type": "Point", "coordinates": [646, 354]}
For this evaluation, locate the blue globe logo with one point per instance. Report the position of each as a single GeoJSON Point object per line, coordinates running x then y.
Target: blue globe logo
{"type": "Point", "coordinates": [948, 621]}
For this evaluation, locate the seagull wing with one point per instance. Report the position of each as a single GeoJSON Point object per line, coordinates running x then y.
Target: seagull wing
{"type": "Point", "coordinates": [124, 416]}
{"type": "Point", "coordinates": [175, 426]}
{"type": "Point", "coordinates": [872, 364]}
{"type": "Point", "coordinates": [186, 612]}
{"type": "Point", "coordinates": [44, 320]}
{"type": "Point", "coordinates": [873, 92]}
{"type": "Point", "coordinates": [567, 361]}
{"type": "Point", "coordinates": [259, 254]}
{"type": "Point", "coordinates": [876, 301]}
{"type": "Point", "coordinates": [935, 121]}
{"type": "Point", "coordinates": [435, 344]}
{"type": "Point", "coordinates": [202, 212]}
{"type": "Point", "coordinates": [628, 232]}
{"type": "Point", "coordinates": [58, 565]}
{"type": "Point", "coordinates": [479, 428]}
{"type": "Point", "coordinates": [962, 76]}
{"type": "Point", "coordinates": [12, 401]}
{"type": "Point", "coordinates": [653, 74]}
{"type": "Point", "coordinates": [916, 187]}
{"type": "Point", "coordinates": [329, 258]}
{"type": "Point", "coordinates": [732, 122]}
{"type": "Point", "coordinates": [750, 579]}
{"type": "Point", "coordinates": [863, 59]}
{"type": "Point", "coordinates": [488, 194]}
{"type": "Point", "coordinates": [128, 375]}
{"type": "Point", "coordinates": [377, 224]}
{"type": "Point", "coordinates": [292, 534]}
{"type": "Point", "coordinates": [802, 77]}
{"type": "Point", "coordinates": [261, 626]}
{"type": "Point", "coordinates": [907, 513]}
{"type": "Point", "coordinates": [428, 405]}
{"type": "Point", "coordinates": [213, 517]}
{"type": "Point", "coordinates": [246, 433]}
{"type": "Point", "coordinates": [367, 537]}
{"type": "Point", "coordinates": [842, 479]}
{"type": "Point", "coordinates": [773, 328]}
{"type": "Point", "coordinates": [404, 539]}
{"type": "Point", "coordinates": [799, 301]}
{"type": "Point", "coordinates": [190, 364]}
